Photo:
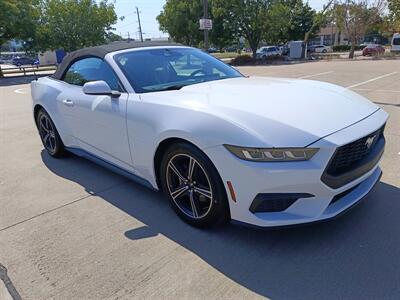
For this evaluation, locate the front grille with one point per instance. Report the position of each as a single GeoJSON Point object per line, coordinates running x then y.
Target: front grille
{"type": "Point", "coordinates": [348, 155]}
{"type": "Point", "coordinates": [353, 160]}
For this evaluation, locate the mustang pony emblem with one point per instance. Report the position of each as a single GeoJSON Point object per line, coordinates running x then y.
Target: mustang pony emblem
{"type": "Point", "coordinates": [370, 141]}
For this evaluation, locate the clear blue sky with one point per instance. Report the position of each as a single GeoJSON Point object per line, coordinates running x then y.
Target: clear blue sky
{"type": "Point", "coordinates": [149, 10]}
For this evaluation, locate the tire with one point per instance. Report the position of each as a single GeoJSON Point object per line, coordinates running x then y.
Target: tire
{"type": "Point", "coordinates": [324, 51]}
{"type": "Point", "coordinates": [199, 199]}
{"type": "Point", "coordinates": [49, 135]}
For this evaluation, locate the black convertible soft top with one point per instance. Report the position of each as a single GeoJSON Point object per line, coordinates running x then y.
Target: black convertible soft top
{"type": "Point", "coordinates": [101, 51]}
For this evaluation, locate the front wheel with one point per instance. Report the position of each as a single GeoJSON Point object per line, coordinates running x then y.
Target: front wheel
{"type": "Point", "coordinates": [49, 135]}
{"type": "Point", "coordinates": [193, 186]}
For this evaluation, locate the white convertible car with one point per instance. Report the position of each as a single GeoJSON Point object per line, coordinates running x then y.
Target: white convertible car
{"type": "Point", "coordinates": [220, 145]}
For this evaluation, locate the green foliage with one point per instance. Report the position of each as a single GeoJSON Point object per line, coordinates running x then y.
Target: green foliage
{"type": "Point", "coordinates": [17, 19]}
{"type": "Point", "coordinates": [394, 15]}
{"type": "Point", "coordinates": [241, 60]}
{"type": "Point", "coordinates": [248, 18]}
{"type": "Point", "coordinates": [73, 24]}
{"type": "Point", "coordinates": [345, 48]}
{"type": "Point", "coordinates": [180, 18]}
{"type": "Point", "coordinates": [112, 37]}
{"type": "Point", "coordinates": [274, 21]}
{"type": "Point", "coordinates": [289, 20]}
{"type": "Point", "coordinates": [221, 34]}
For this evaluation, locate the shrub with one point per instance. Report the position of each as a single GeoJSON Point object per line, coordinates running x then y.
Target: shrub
{"type": "Point", "coordinates": [344, 48]}
{"type": "Point", "coordinates": [244, 59]}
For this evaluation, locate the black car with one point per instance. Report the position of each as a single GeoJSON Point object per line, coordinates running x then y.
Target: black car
{"type": "Point", "coordinates": [19, 61]}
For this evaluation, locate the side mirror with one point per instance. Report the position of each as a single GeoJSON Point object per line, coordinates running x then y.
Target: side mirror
{"type": "Point", "coordinates": [99, 87]}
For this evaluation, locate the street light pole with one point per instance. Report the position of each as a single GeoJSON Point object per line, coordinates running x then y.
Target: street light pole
{"type": "Point", "coordinates": [205, 12]}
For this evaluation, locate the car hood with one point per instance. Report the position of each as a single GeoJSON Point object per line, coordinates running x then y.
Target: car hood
{"type": "Point", "coordinates": [279, 112]}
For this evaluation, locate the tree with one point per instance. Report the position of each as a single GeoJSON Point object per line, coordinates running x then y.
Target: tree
{"type": "Point", "coordinates": [73, 24]}
{"type": "Point", "coordinates": [180, 18]}
{"type": "Point", "coordinates": [246, 17]}
{"type": "Point", "coordinates": [17, 20]}
{"type": "Point", "coordinates": [394, 15]}
{"type": "Point", "coordinates": [354, 17]}
{"type": "Point", "coordinates": [112, 37]}
{"type": "Point", "coordinates": [319, 19]}
{"type": "Point", "coordinates": [221, 35]}
{"type": "Point", "coordinates": [289, 20]}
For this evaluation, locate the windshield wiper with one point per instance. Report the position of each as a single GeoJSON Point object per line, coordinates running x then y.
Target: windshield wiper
{"type": "Point", "coordinates": [172, 87]}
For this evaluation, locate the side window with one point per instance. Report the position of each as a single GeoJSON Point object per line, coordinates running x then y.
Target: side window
{"type": "Point", "coordinates": [90, 69]}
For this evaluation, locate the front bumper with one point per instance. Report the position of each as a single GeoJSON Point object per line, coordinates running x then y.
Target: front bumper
{"type": "Point", "coordinates": [250, 179]}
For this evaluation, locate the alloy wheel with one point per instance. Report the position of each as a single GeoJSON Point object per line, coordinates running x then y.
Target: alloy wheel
{"type": "Point", "coordinates": [189, 186]}
{"type": "Point", "coordinates": [47, 133]}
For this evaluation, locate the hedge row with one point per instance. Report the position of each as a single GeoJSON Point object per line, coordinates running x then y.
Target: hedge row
{"type": "Point", "coordinates": [344, 48]}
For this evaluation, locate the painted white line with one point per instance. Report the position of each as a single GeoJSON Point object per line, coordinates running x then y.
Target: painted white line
{"type": "Point", "coordinates": [372, 90]}
{"type": "Point", "coordinates": [314, 75]}
{"type": "Point", "coordinates": [373, 79]}
{"type": "Point", "coordinates": [21, 91]}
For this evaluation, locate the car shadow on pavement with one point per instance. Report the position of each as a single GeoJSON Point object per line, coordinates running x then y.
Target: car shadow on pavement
{"type": "Point", "coordinates": [17, 80]}
{"type": "Point", "coordinates": [354, 256]}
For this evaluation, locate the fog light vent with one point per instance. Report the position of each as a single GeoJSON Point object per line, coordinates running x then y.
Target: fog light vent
{"type": "Point", "coordinates": [275, 202]}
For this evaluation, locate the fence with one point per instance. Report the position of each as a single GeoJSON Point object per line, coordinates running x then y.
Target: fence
{"type": "Point", "coordinates": [28, 70]}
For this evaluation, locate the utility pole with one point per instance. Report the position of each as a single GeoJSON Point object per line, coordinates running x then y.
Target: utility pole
{"type": "Point", "coordinates": [205, 12]}
{"type": "Point", "coordinates": [140, 26]}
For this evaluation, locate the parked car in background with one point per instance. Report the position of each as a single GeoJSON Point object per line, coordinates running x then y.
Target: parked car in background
{"type": "Point", "coordinates": [20, 61]}
{"type": "Point", "coordinates": [6, 59]}
{"type": "Point", "coordinates": [285, 50]}
{"type": "Point", "coordinates": [319, 49]}
{"type": "Point", "coordinates": [231, 49]}
{"type": "Point", "coordinates": [373, 49]}
{"type": "Point", "coordinates": [268, 51]}
{"type": "Point", "coordinates": [396, 43]}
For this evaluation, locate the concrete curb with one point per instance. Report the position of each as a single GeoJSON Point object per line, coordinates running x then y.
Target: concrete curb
{"type": "Point", "coordinates": [7, 289]}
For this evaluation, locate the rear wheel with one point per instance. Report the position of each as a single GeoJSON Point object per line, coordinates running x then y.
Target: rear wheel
{"type": "Point", "coordinates": [49, 135]}
{"type": "Point", "coordinates": [193, 186]}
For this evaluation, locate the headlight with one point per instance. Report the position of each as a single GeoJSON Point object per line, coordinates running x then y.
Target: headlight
{"type": "Point", "coordinates": [272, 154]}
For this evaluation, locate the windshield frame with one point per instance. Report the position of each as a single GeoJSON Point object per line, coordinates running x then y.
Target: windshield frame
{"type": "Point", "coordinates": [114, 58]}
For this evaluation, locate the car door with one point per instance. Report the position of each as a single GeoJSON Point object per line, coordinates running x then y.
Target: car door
{"type": "Point", "coordinates": [98, 122]}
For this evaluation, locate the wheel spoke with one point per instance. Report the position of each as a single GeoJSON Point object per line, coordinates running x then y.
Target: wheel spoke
{"type": "Point", "coordinates": [43, 125]}
{"type": "Point", "coordinates": [179, 191]}
{"type": "Point", "coordinates": [46, 137]}
{"type": "Point", "coordinates": [51, 142]}
{"type": "Point", "coordinates": [192, 164]}
{"type": "Point", "coordinates": [204, 192]}
{"type": "Point", "coordinates": [48, 125]}
{"type": "Point", "coordinates": [176, 171]}
{"type": "Point", "coordinates": [44, 128]}
{"type": "Point", "coordinates": [193, 205]}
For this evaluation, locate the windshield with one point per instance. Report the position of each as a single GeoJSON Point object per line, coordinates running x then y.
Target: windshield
{"type": "Point", "coordinates": [152, 70]}
{"type": "Point", "coordinates": [396, 41]}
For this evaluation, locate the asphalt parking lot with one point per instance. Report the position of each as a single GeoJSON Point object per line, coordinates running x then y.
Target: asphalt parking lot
{"type": "Point", "coordinates": [72, 230]}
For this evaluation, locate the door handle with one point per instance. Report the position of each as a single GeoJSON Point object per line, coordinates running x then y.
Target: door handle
{"type": "Point", "coordinates": [68, 102]}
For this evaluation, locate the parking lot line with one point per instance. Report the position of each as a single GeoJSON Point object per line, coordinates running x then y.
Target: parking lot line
{"type": "Point", "coordinates": [314, 75]}
{"type": "Point", "coordinates": [372, 90]}
{"type": "Point", "coordinates": [370, 80]}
